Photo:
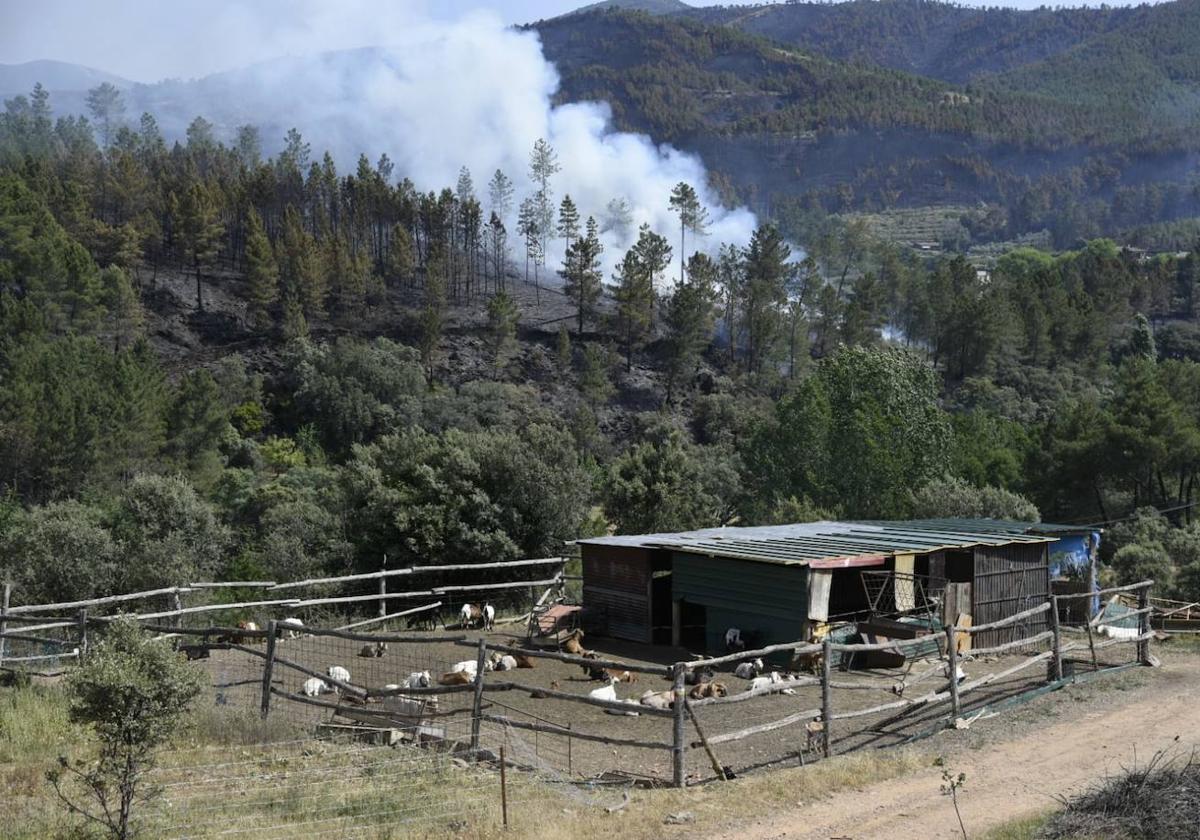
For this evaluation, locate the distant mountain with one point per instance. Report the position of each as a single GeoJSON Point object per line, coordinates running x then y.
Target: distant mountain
{"type": "Point", "coordinates": [654, 7]}
{"type": "Point", "coordinates": [55, 76]}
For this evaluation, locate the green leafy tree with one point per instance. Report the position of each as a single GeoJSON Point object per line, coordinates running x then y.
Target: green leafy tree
{"type": "Point", "coordinates": [595, 383]}
{"type": "Point", "coordinates": [858, 435]}
{"type": "Point", "coordinates": [132, 692]}
{"type": "Point", "coordinates": [196, 421]}
{"type": "Point", "coordinates": [665, 484]}
{"type": "Point", "coordinates": [956, 498]}
{"type": "Point", "coordinates": [59, 552]}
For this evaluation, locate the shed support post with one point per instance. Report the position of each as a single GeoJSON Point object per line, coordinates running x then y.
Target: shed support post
{"type": "Point", "coordinates": [827, 697]}
{"type": "Point", "coordinates": [268, 668]}
{"type": "Point", "coordinates": [676, 622]}
{"type": "Point", "coordinates": [1057, 641]}
{"type": "Point", "coordinates": [477, 706]}
{"type": "Point", "coordinates": [1143, 646]}
{"type": "Point", "coordinates": [679, 707]}
{"type": "Point", "coordinates": [952, 659]}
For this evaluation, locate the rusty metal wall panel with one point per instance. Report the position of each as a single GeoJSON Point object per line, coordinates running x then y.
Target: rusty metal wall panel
{"type": "Point", "coordinates": [1007, 580]}
{"type": "Point", "coordinates": [616, 582]}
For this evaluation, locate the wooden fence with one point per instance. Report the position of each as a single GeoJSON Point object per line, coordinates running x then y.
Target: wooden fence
{"type": "Point", "coordinates": [823, 721]}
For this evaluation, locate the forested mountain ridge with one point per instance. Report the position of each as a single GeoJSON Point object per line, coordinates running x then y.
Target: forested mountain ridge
{"type": "Point", "coordinates": [782, 127]}
{"type": "Point", "coordinates": [945, 41]}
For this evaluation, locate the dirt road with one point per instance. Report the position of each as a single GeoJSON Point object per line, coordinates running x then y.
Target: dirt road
{"type": "Point", "coordinates": [1006, 780]}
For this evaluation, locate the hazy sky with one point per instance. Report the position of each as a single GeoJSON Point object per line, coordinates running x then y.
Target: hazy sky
{"type": "Point", "coordinates": [146, 40]}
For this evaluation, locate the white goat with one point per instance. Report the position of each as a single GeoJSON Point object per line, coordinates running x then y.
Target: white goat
{"type": "Point", "coordinates": [489, 617]}
{"type": "Point", "coordinates": [418, 679]}
{"type": "Point", "coordinates": [773, 678]}
{"type": "Point", "coordinates": [506, 663]}
{"type": "Point", "coordinates": [959, 674]}
{"type": "Point", "coordinates": [294, 627]}
{"type": "Point", "coordinates": [748, 670]}
{"type": "Point", "coordinates": [468, 666]}
{"type": "Point", "coordinates": [337, 672]}
{"type": "Point", "coordinates": [314, 687]}
{"type": "Point", "coordinates": [657, 699]}
{"type": "Point", "coordinates": [733, 640]}
{"type": "Point", "coordinates": [606, 692]}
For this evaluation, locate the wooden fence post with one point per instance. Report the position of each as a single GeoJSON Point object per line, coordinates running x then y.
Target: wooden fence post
{"type": "Point", "coordinates": [827, 696]}
{"type": "Point", "coordinates": [383, 589]}
{"type": "Point", "coordinates": [477, 707]}
{"type": "Point", "coordinates": [952, 659]}
{"type": "Point", "coordinates": [82, 620]}
{"type": "Point", "coordinates": [3, 623]}
{"type": "Point", "coordinates": [678, 706]}
{"type": "Point", "coordinates": [1057, 631]}
{"type": "Point", "coordinates": [268, 667]}
{"type": "Point", "coordinates": [177, 605]}
{"type": "Point", "coordinates": [503, 788]}
{"type": "Point", "coordinates": [1143, 646]}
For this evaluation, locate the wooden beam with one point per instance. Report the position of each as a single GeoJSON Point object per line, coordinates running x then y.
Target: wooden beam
{"type": "Point", "coordinates": [575, 733]}
{"type": "Point", "coordinates": [807, 714]}
{"type": "Point", "coordinates": [658, 670]}
{"type": "Point", "coordinates": [99, 602]}
{"type": "Point", "coordinates": [432, 606]}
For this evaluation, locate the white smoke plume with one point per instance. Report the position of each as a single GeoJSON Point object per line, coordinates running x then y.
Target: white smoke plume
{"type": "Point", "coordinates": [474, 93]}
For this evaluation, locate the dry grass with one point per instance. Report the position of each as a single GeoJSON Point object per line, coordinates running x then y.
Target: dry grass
{"type": "Point", "coordinates": [227, 775]}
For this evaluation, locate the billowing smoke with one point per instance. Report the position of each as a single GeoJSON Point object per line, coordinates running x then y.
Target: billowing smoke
{"type": "Point", "coordinates": [474, 93]}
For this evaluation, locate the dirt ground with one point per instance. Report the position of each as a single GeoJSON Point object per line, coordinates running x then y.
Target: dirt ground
{"type": "Point", "coordinates": [236, 678]}
{"type": "Point", "coordinates": [1016, 763]}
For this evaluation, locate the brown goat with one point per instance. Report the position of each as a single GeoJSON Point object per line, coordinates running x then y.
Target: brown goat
{"type": "Point", "coordinates": [523, 661]}
{"type": "Point", "coordinates": [456, 678]}
{"type": "Point", "coordinates": [572, 645]}
{"type": "Point", "coordinates": [707, 689]}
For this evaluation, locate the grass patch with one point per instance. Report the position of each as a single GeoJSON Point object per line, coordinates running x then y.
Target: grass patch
{"type": "Point", "coordinates": [231, 771]}
{"type": "Point", "coordinates": [1026, 828]}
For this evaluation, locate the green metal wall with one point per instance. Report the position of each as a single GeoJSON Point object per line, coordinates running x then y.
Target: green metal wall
{"type": "Point", "coordinates": [765, 597]}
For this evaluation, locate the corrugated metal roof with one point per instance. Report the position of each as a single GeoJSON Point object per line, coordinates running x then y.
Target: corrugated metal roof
{"type": "Point", "coordinates": [802, 543]}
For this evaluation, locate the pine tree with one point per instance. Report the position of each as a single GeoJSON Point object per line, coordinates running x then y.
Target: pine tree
{"type": "Point", "coordinates": [502, 325]}
{"type": "Point", "coordinates": [262, 273]}
{"type": "Point", "coordinates": [398, 266]}
{"type": "Point", "coordinates": [692, 217]}
{"type": "Point", "coordinates": [568, 221]}
{"type": "Point", "coordinates": [594, 381]}
{"type": "Point", "coordinates": [432, 320]}
{"type": "Point", "coordinates": [107, 106]}
{"type": "Point", "coordinates": [543, 165]}
{"type": "Point", "coordinates": [125, 315]}
{"type": "Point", "coordinates": [200, 230]}
{"type": "Point", "coordinates": [689, 319]}
{"type": "Point", "coordinates": [582, 280]}
{"type": "Point", "coordinates": [562, 349]}
{"type": "Point", "coordinates": [300, 266]}
{"type": "Point", "coordinates": [766, 292]}
{"type": "Point", "coordinates": [295, 325]}
{"type": "Point", "coordinates": [635, 304]}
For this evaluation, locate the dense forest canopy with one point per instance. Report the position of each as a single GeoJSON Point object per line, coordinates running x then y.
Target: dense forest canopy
{"type": "Point", "coordinates": [216, 363]}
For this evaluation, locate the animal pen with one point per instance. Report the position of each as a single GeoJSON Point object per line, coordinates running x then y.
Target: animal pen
{"type": "Point", "coordinates": [491, 737]}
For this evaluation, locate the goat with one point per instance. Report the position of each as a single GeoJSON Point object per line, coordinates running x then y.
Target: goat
{"type": "Point", "coordinates": [621, 676]}
{"type": "Point", "coordinates": [774, 678]}
{"type": "Point", "coordinates": [471, 615]}
{"type": "Point", "coordinates": [468, 666]}
{"type": "Point", "coordinates": [523, 661]}
{"type": "Point", "coordinates": [571, 644]}
{"type": "Point", "coordinates": [377, 649]}
{"type": "Point", "coordinates": [337, 672]}
{"type": "Point", "coordinates": [814, 730]}
{"type": "Point", "coordinates": [748, 670]}
{"type": "Point", "coordinates": [239, 638]}
{"type": "Point", "coordinates": [456, 678]}
{"type": "Point", "coordinates": [608, 692]}
{"type": "Point", "coordinates": [506, 663]}
{"type": "Point", "coordinates": [418, 679]}
{"type": "Point", "coordinates": [704, 675]}
{"type": "Point", "coordinates": [733, 640]}
{"type": "Point", "coordinates": [657, 699]}
{"type": "Point", "coordinates": [708, 689]}
{"type": "Point", "coordinates": [489, 617]}
{"type": "Point", "coordinates": [294, 627]}
{"type": "Point", "coordinates": [959, 674]}
{"type": "Point", "coordinates": [313, 687]}
{"type": "Point", "coordinates": [540, 694]}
